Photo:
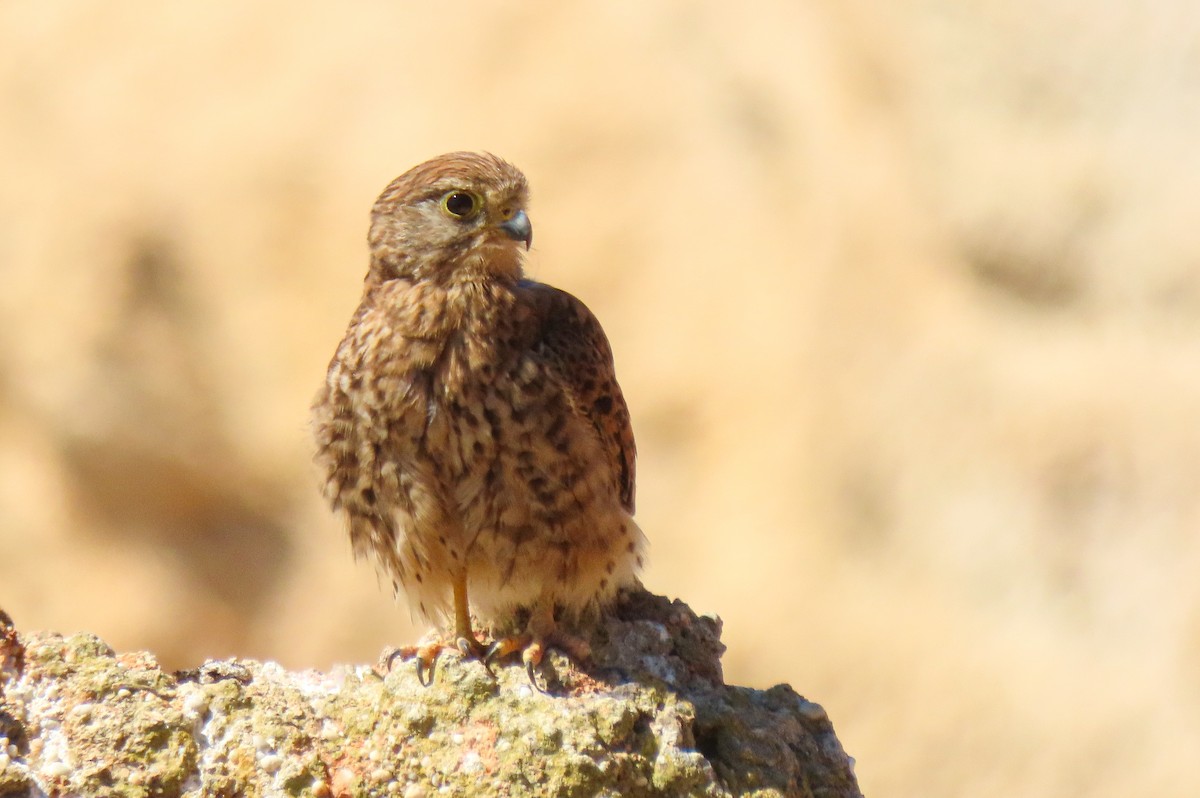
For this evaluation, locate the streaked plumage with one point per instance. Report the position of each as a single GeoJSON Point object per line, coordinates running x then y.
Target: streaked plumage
{"type": "Point", "coordinates": [471, 428]}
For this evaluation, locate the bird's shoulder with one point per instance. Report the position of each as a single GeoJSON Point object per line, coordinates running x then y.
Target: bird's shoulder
{"type": "Point", "coordinates": [565, 326]}
{"type": "Point", "coordinates": [573, 347]}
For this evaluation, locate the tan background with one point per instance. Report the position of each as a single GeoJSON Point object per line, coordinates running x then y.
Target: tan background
{"type": "Point", "coordinates": [905, 299]}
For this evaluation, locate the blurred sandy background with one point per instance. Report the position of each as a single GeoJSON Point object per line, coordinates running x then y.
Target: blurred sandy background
{"type": "Point", "coordinates": [905, 298]}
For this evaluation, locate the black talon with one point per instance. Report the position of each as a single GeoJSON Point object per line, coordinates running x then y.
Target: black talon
{"type": "Point", "coordinates": [533, 677]}
{"type": "Point", "coordinates": [390, 659]}
{"type": "Point", "coordinates": [471, 649]}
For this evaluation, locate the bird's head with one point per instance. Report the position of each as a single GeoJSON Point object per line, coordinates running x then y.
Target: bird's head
{"type": "Point", "coordinates": [459, 216]}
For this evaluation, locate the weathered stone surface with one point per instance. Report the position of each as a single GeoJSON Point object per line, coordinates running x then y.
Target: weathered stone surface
{"type": "Point", "coordinates": [649, 716]}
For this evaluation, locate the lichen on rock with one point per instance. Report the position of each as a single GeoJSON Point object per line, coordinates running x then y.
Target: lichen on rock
{"type": "Point", "coordinates": [649, 715]}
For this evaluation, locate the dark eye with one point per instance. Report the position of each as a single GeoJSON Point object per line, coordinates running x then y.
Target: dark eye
{"type": "Point", "coordinates": [460, 204]}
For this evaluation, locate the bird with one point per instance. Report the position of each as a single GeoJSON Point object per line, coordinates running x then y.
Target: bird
{"type": "Point", "coordinates": [471, 430]}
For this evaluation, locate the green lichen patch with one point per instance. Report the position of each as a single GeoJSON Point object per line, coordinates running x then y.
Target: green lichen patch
{"type": "Point", "coordinates": [121, 732]}
{"type": "Point", "coordinates": [647, 716]}
{"type": "Point", "coordinates": [14, 777]}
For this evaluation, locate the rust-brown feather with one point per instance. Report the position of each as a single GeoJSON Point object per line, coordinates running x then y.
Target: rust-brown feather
{"type": "Point", "coordinates": [574, 344]}
{"type": "Point", "coordinates": [471, 426]}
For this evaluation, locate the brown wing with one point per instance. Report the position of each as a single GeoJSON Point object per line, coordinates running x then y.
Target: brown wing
{"type": "Point", "coordinates": [573, 344]}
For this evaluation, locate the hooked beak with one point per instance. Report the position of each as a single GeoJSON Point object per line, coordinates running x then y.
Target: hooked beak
{"type": "Point", "coordinates": [518, 228]}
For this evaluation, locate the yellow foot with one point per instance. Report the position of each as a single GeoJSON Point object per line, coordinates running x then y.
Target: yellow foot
{"type": "Point", "coordinates": [533, 650]}
{"type": "Point", "coordinates": [426, 653]}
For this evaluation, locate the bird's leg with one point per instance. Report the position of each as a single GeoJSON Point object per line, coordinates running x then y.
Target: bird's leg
{"type": "Point", "coordinates": [464, 636]}
{"type": "Point", "coordinates": [465, 639]}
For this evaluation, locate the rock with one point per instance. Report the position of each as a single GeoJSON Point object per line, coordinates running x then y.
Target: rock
{"type": "Point", "coordinates": [649, 715]}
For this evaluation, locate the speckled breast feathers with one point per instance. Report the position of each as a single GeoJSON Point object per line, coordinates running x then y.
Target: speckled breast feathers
{"type": "Point", "coordinates": [471, 421]}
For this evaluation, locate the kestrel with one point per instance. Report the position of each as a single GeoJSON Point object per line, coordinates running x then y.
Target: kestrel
{"type": "Point", "coordinates": [471, 429]}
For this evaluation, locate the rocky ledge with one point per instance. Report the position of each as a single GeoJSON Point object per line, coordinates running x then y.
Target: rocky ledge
{"type": "Point", "coordinates": [649, 716]}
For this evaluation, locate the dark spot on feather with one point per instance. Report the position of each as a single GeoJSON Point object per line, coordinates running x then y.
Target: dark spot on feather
{"type": "Point", "coordinates": [522, 534]}
{"type": "Point", "coordinates": [603, 405]}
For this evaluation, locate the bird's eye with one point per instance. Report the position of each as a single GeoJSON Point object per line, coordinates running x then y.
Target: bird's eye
{"type": "Point", "coordinates": [460, 204]}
